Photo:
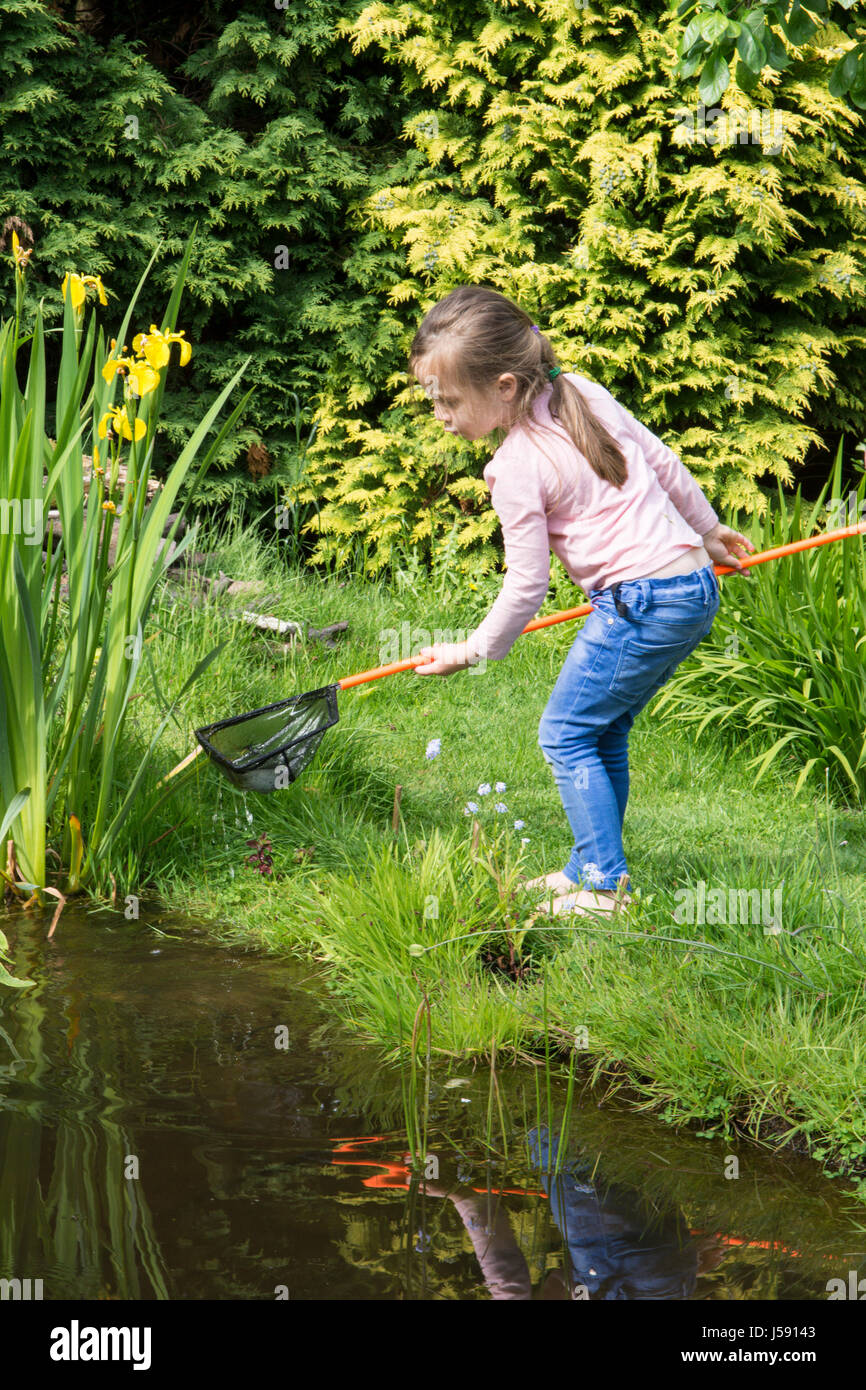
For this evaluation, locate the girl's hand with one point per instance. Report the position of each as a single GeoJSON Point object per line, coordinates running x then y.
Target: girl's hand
{"type": "Point", "coordinates": [724, 546]}
{"type": "Point", "coordinates": [444, 658]}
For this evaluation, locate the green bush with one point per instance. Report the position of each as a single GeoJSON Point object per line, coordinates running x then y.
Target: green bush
{"type": "Point", "coordinates": [714, 288]}
{"type": "Point", "coordinates": [349, 165]}
{"type": "Point", "coordinates": [263, 127]}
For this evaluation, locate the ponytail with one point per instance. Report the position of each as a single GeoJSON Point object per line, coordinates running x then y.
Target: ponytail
{"type": "Point", "coordinates": [587, 433]}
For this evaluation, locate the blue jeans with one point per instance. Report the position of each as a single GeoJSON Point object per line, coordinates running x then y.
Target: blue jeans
{"type": "Point", "coordinates": [621, 1245]}
{"type": "Point", "coordinates": [632, 642]}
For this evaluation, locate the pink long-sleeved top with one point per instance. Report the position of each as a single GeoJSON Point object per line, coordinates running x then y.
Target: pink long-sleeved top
{"type": "Point", "coordinates": [602, 534]}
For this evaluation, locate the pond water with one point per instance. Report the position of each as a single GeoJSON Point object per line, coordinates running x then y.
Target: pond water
{"type": "Point", "coordinates": [183, 1120]}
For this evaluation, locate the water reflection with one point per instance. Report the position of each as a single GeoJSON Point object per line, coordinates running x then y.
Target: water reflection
{"type": "Point", "coordinates": [156, 1141]}
{"type": "Point", "coordinates": [614, 1249]}
{"type": "Point", "coordinates": [578, 1236]}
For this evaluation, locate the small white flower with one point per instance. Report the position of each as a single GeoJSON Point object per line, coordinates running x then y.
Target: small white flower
{"type": "Point", "coordinates": [519, 824]}
{"type": "Point", "coordinates": [525, 840]}
{"type": "Point", "coordinates": [500, 807]}
{"type": "Point", "coordinates": [250, 817]}
{"type": "Point", "coordinates": [484, 789]}
{"type": "Point", "coordinates": [434, 748]}
{"type": "Point", "coordinates": [592, 873]}
{"type": "Point", "coordinates": [470, 809]}
{"type": "Point", "coordinates": [500, 787]}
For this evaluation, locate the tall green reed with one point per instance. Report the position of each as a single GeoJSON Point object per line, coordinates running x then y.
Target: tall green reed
{"type": "Point", "coordinates": [72, 627]}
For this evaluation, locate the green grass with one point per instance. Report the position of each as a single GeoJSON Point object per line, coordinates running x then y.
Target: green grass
{"type": "Point", "coordinates": [720, 1024]}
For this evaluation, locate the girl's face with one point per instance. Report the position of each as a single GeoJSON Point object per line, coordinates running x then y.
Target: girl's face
{"type": "Point", "coordinates": [471, 414]}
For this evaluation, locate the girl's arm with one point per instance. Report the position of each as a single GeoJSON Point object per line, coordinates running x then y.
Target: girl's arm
{"type": "Point", "coordinates": [518, 498]}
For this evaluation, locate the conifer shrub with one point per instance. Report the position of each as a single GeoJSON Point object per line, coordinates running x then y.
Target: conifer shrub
{"type": "Point", "coordinates": [263, 128]}
{"type": "Point", "coordinates": [706, 267]}
{"type": "Point", "coordinates": [348, 164]}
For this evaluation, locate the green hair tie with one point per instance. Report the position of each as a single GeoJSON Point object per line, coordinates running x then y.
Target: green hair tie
{"type": "Point", "coordinates": [554, 372]}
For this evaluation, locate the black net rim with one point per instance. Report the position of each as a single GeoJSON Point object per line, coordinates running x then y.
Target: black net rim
{"type": "Point", "coordinates": [328, 692]}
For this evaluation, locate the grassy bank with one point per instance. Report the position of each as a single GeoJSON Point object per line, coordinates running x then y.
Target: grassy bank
{"type": "Point", "coordinates": [717, 1021]}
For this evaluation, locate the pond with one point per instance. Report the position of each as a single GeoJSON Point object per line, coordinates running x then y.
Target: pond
{"type": "Point", "coordinates": [183, 1120]}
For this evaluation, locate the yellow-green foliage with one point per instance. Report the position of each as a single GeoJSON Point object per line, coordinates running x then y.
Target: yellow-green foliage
{"type": "Point", "coordinates": [715, 286]}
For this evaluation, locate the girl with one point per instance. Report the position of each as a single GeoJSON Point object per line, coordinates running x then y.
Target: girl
{"type": "Point", "coordinates": [579, 475]}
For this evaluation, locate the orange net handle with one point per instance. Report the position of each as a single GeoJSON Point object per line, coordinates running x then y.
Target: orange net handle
{"type": "Point", "coordinates": [569, 614]}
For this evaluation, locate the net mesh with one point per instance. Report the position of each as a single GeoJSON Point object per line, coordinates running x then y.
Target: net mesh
{"type": "Point", "coordinates": [270, 747]}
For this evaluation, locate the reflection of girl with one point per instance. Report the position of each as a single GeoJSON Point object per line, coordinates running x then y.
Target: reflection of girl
{"type": "Point", "coordinates": [579, 475]}
{"type": "Point", "coordinates": [613, 1252]}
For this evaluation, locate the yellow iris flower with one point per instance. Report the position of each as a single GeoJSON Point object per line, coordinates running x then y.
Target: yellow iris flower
{"type": "Point", "coordinates": [155, 346]}
{"type": "Point", "coordinates": [78, 288]}
{"type": "Point", "coordinates": [142, 377]}
{"type": "Point", "coordinates": [19, 255]}
{"type": "Point", "coordinates": [121, 424]}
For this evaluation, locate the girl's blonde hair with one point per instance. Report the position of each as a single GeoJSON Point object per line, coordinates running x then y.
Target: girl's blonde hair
{"type": "Point", "coordinates": [485, 334]}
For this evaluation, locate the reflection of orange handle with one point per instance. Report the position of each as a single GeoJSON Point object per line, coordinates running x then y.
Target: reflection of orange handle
{"type": "Point", "coordinates": [770, 1245]}
{"type": "Point", "coordinates": [397, 1176]}
{"type": "Point", "coordinates": [571, 613]}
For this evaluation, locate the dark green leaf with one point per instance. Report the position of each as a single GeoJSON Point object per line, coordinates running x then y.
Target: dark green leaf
{"type": "Point", "coordinates": [747, 80]}
{"type": "Point", "coordinates": [755, 21]}
{"type": "Point", "coordinates": [844, 74]}
{"type": "Point", "coordinates": [751, 51]}
{"type": "Point", "coordinates": [858, 88]}
{"type": "Point", "coordinates": [799, 26]}
{"type": "Point", "coordinates": [689, 66]}
{"type": "Point", "coordinates": [714, 79]}
{"type": "Point", "coordinates": [776, 55]}
{"type": "Point", "coordinates": [690, 37]}
{"type": "Point", "coordinates": [712, 26]}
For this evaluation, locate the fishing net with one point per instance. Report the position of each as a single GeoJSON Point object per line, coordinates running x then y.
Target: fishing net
{"type": "Point", "coordinates": [270, 747]}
